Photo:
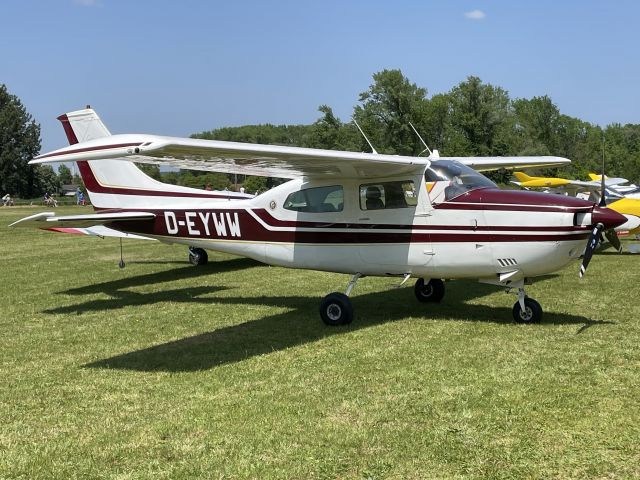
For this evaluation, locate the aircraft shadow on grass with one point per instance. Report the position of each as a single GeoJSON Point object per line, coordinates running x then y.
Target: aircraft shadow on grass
{"type": "Point", "coordinates": [298, 325]}
{"type": "Point", "coordinates": [115, 287]}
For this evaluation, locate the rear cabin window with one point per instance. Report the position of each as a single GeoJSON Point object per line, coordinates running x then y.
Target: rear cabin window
{"type": "Point", "coordinates": [316, 200]}
{"type": "Point", "coordinates": [388, 195]}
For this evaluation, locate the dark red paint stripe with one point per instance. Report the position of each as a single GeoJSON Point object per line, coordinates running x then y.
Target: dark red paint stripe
{"type": "Point", "coordinates": [252, 230]}
{"type": "Point", "coordinates": [89, 149]}
{"type": "Point", "coordinates": [94, 186]}
{"type": "Point", "coordinates": [271, 221]}
{"type": "Point", "coordinates": [68, 130]}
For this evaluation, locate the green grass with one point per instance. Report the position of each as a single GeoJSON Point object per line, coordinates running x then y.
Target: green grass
{"type": "Point", "coordinates": [163, 370]}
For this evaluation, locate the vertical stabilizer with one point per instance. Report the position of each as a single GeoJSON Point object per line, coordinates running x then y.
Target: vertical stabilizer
{"type": "Point", "coordinates": [120, 184]}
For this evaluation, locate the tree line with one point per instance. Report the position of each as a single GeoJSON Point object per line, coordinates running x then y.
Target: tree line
{"type": "Point", "coordinates": [473, 118]}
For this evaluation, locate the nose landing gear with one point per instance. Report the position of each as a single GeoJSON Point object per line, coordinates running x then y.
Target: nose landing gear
{"type": "Point", "coordinates": [526, 310]}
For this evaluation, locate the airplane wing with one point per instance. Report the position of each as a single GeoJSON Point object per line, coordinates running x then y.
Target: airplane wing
{"type": "Point", "coordinates": [266, 160]}
{"type": "Point", "coordinates": [483, 164]}
{"type": "Point", "coordinates": [48, 220]}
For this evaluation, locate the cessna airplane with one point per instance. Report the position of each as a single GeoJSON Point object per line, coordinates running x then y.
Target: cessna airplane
{"type": "Point", "coordinates": [363, 214]}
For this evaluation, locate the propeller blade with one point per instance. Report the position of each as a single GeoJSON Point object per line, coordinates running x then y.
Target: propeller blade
{"type": "Point", "coordinates": [612, 236]}
{"type": "Point", "coordinates": [592, 243]}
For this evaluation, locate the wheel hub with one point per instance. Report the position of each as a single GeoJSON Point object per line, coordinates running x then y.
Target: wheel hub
{"type": "Point", "coordinates": [526, 314]}
{"type": "Point", "coordinates": [334, 312]}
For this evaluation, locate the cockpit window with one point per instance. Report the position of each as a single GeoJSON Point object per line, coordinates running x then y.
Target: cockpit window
{"type": "Point", "coordinates": [460, 177]}
{"type": "Point", "coordinates": [387, 195]}
{"type": "Point", "coordinates": [316, 200]}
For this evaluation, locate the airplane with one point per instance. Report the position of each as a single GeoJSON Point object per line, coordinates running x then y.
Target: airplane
{"type": "Point", "coordinates": [627, 206]}
{"type": "Point", "coordinates": [628, 191]}
{"type": "Point", "coordinates": [527, 181]}
{"type": "Point", "coordinates": [362, 214]}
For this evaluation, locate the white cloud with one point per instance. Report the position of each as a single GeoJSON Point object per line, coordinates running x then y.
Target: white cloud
{"type": "Point", "coordinates": [475, 15]}
{"type": "Point", "coordinates": [87, 3]}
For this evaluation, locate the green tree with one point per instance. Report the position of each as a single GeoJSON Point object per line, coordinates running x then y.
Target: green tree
{"type": "Point", "coordinates": [64, 175]}
{"type": "Point", "coordinates": [387, 108]}
{"type": "Point", "coordinates": [48, 181]}
{"type": "Point", "coordinates": [152, 170]}
{"type": "Point", "coordinates": [255, 184]}
{"type": "Point", "coordinates": [477, 113]}
{"type": "Point", "coordinates": [19, 143]}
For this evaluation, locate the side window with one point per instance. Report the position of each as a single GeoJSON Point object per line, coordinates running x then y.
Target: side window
{"type": "Point", "coordinates": [387, 195]}
{"type": "Point", "coordinates": [316, 200]}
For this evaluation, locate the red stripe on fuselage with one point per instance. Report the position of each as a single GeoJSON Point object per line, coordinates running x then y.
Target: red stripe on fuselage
{"type": "Point", "coordinates": [253, 231]}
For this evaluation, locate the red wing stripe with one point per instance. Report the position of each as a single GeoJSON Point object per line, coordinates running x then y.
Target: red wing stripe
{"type": "Point", "coordinates": [89, 149]}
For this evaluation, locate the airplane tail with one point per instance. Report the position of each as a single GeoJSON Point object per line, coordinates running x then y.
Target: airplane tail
{"type": "Point", "coordinates": [522, 177]}
{"type": "Point", "coordinates": [118, 184]}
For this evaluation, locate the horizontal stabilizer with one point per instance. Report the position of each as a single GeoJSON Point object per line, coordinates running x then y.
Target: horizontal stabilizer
{"type": "Point", "coordinates": [98, 231]}
{"type": "Point", "coordinates": [50, 220]}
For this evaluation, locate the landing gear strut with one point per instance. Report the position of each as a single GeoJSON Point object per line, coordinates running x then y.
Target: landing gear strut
{"type": "Point", "coordinates": [336, 308]}
{"type": "Point", "coordinates": [431, 291]}
{"type": "Point", "coordinates": [198, 256]}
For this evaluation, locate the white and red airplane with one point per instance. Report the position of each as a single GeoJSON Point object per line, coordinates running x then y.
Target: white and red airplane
{"type": "Point", "coordinates": [363, 214]}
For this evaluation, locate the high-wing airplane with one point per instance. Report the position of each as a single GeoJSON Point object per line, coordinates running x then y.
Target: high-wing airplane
{"type": "Point", "coordinates": [628, 206]}
{"type": "Point", "coordinates": [362, 214]}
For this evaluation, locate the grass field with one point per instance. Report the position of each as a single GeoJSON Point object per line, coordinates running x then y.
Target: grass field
{"type": "Point", "coordinates": [163, 370]}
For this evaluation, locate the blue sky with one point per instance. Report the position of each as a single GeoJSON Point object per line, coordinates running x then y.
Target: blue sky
{"type": "Point", "coordinates": [174, 68]}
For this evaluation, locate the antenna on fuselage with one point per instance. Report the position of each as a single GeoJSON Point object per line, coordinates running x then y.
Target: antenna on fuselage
{"type": "Point", "coordinates": [373, 150]}
{"type": "Point", "coordinates": [426, 147]}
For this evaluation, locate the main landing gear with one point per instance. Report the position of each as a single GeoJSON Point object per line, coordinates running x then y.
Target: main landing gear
{"type": "Point", "coordinates": [198, 256]}
{"type": "Point", "coordinates": [336, 308]}
{"type": "Point", "coordinates": [431, 291]}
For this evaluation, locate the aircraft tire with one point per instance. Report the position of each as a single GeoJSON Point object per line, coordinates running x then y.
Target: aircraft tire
{"type": "Point", "coordinates": [198, 256]}
{"type": "Point", "coordinates": [532, 313]}
{"type": "Point", "coordinates": [432, 291]}
{"type": "Point", "coordinates": [336, 309]}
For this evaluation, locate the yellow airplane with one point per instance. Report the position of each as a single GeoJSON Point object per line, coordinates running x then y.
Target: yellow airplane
{"type": "Point", "coordinates": [526, 181]}
{"type": "Point", "coordinates": [629, 207]}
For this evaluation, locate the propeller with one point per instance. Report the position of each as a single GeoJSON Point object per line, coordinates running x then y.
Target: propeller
{"type": "Point", "coordinates": [610, 233]}
{"type": "Point", "coordinates": [592, 243]}
{"type": "Point", "coordinates": [599, 227]}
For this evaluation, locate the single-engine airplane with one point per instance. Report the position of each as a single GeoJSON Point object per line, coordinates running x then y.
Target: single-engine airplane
{"type": "Point", "coordinates": [363, 214]}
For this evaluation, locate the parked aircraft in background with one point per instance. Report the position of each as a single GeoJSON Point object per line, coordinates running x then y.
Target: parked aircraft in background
{"type": "Point", "coordinates": [627, 206]}
{"type": "Point", "coordinates": [363, 214]}
{"type": "Point", "coordinates": [623, 188]}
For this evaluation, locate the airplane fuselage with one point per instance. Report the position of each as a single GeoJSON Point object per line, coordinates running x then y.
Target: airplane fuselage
{"type": "Point", "coordinates": [478, 234]}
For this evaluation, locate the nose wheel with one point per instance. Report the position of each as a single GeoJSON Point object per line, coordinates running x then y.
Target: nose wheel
{"type": "Point", "coordinates": [198, 256]}
{"type": "Point", "coordinates": [526, 310]}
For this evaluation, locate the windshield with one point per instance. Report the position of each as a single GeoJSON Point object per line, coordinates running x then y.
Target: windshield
{"type": "Point", "coordinates": [460, 177]}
